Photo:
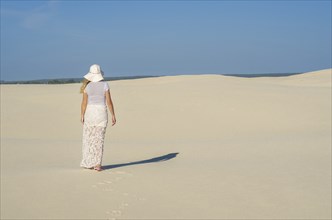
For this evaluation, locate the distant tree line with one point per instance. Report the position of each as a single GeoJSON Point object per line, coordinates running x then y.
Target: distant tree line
{"type": "Point", "coordinates": [57, 81]}
{"type": "Point", "coordinates": [51, 81]}
{"type": "Point", "coordinates": [78, 80]}
{"type": "Point", "coordinates": [67, 81]}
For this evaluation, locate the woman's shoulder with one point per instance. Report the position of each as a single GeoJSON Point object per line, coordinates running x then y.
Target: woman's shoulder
{"type": "Point", "coordinates": [106, 86]}
{"type": "Point", "coordinates": [98, 83]}
{"type": "Point", "coordinates": [102, 84]}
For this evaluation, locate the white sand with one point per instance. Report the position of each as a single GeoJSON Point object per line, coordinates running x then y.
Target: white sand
{"type": "Point", "coordinates": [248, 148]}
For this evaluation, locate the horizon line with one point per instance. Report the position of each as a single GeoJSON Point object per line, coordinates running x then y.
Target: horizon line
{"type": "Point", "coordinates": [110, 78]}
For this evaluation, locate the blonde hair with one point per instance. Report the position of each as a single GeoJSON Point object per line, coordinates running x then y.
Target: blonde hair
{"type": "Point", "coordinates": [85, 82]}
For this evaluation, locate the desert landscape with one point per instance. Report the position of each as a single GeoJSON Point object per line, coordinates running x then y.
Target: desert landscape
{"type": "Point", "coordinates": [184, 147]}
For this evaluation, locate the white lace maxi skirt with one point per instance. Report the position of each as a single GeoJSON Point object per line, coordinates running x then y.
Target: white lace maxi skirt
{"type": "Point", "coordinates": [94, 128]}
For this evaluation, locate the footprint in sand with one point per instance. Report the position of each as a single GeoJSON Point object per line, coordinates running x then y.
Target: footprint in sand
{"type": "Point", "coordinates": [123, 205]}
{"type": "Point", "coordinates": [116, 212]}
{"type": "Point", "coordinates": [141, 199]}
{"type": "Point", "coordinates": [110, 186]}
{"type": "Point", "coordinates": [108, 189]}
{"type": "Point", "coordinates": [118, 178]}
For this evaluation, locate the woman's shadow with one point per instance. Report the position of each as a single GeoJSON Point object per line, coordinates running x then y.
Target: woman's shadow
{"type": "Point", "coordinates": [152, 160]}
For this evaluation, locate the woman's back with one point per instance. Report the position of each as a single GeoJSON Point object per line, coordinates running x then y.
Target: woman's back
{"type": "Point", "coordinates": [96, 92]}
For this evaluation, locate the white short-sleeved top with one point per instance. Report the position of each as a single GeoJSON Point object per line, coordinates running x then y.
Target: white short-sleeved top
{"type": "Point", "coordinates": [96, 92]}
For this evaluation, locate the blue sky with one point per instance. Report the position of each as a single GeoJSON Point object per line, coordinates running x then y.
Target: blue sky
{"type": "Point", "coordinates": [61, 39]}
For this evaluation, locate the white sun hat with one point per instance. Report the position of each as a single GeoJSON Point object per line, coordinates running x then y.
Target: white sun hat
{"type": "Point", "coordinates": [95, 74]}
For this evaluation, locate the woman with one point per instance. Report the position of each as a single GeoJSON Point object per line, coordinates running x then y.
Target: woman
{"type": "Point", "coordinates": [96, 95]}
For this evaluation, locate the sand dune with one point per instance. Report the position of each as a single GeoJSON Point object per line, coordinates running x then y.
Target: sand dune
{"type": "Point", "coordinates": [189, 146]}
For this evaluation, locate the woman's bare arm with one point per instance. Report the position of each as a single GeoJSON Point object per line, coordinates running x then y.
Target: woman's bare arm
{"type": "Point", "coordinates": [83, 106]}
{"type": "Point", "coordinates": [110, 106]}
